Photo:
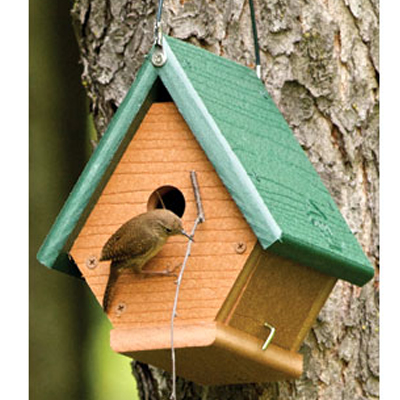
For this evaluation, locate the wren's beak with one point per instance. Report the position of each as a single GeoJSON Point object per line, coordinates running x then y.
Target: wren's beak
{"type": "Point", "coordinates": [187, 235]}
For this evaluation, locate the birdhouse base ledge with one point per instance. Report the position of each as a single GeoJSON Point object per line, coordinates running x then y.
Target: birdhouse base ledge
{"type": "Point", "coordinates": [209, 353]}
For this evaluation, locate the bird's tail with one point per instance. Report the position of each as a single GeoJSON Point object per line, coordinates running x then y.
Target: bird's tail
{"type": "Point", "coordinates": [110, 287]}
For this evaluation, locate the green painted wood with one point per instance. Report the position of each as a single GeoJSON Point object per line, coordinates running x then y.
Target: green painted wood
{"type": "Point", "coordinates": [252, 149]}
{"type": "Point", "coordinates": [312, 226]}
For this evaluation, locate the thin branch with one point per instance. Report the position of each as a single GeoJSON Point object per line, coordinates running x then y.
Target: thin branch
{"type": "Point", "coordinates": [161, 200]}
{"type": "Point", "coordinates": [200, 211]}
{"type": "Point", "coordinates": [200, 218]}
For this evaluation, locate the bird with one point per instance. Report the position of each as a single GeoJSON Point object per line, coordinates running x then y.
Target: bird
{"type": "Point", "coordinates": [136, 242]}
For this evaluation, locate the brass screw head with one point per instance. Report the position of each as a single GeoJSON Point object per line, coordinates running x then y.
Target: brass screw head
{"type": "Point", "coordinates": [91, 262]}
{"type": "Point", "coordinates": [240, 247]}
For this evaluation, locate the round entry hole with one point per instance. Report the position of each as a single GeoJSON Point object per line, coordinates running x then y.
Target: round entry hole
{"type": "Point", "coordinates": [168, 197]}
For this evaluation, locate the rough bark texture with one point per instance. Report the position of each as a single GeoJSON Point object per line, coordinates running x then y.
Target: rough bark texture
{"type": "Point", "coordinates": [320, 64]}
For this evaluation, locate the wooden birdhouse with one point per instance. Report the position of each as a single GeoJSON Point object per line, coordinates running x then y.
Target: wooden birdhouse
{"type": "Point", "coordinates": [264, 261]}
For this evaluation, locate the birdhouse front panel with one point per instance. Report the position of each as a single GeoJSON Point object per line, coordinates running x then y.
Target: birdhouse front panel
{"type": "Point", "coordinates": [154, 172]}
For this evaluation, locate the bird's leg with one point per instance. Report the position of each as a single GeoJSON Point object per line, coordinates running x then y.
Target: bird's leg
{"type": "Point", "coordinates": [165, 272]}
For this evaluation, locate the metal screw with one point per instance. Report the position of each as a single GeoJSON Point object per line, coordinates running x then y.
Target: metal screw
{"type": "Point", "coordinates": [91, 262]}
{"type": "Point", "coordinates": [121, 307]}
{"type": "Point", "coordinates": [240, 247]}
{"type": "Point", "coordinates": [159, 58]}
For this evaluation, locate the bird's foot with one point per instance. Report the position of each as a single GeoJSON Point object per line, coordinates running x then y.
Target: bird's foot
{"type": "Point", "coordinates": [166, 272]}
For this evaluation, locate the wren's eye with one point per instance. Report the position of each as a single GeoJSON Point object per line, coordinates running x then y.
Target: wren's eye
{"type": "Point", "coordinates": [168, 230]}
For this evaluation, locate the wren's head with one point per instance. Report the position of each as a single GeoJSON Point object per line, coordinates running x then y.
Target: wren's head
{"type": "Point", "coordinates": [167, 223]}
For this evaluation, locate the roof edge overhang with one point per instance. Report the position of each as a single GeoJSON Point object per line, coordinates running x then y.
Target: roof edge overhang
{"type": "Point", "coordinates": [328, 263]}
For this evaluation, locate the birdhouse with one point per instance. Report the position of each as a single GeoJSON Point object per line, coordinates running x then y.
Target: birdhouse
{"type": "Point", "coordinates": [270, 250]}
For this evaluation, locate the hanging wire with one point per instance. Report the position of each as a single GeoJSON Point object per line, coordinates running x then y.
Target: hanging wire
{"type": "Point", "coordinates": [157, 27]}
{"type": "Point", "coordinates": [255, 37]}
{"type": "Point", "coordinates": [159, 11]}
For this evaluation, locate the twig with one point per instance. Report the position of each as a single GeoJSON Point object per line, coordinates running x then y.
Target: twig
{"type": "Point", "coordinates": [200, 218]}
{"type": "Point", "coordinates": [161, 200]}
{"type": "Point", "coordinates": [200, 212]}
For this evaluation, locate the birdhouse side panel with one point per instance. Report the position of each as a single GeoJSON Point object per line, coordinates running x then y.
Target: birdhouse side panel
{"type": "Point", "coordinates": [161, 154]}
{"type": "Point", "coordinates": [281, 293]}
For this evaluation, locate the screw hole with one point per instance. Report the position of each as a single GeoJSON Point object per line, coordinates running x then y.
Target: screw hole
{"type": "Point", "coordinates": [91, 262]}
{"type": "Point", "coordinates": [240, 247]}
{"type": "Point", "coordinates": [120, 308]}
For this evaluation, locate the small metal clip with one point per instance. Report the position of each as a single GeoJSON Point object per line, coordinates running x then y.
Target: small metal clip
{"type": "Point", "coordinates": [158, 34]}
{"type": "Point", "coordinates": [258, 71]}
{"type": "Point", "coordinates": [159, 57]}
{"type": "Point", "coordinates": [270, 336]}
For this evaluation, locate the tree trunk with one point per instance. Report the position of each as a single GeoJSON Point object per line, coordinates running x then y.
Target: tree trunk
{"type": "Point", "coordinates": [320, 64]}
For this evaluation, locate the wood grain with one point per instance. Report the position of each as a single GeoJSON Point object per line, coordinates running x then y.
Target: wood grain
{"type": "Point", "coordinates": [281, 292]}
{"type": "Point", "coordinates": [163, 152]}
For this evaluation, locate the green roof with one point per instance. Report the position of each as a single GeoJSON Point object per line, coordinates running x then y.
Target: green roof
{"type": "Point", "coordinates": [251, 147]}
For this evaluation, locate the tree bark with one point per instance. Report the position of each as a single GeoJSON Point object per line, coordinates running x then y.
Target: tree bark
{"type": "Point", "coordinates": [320, 64]}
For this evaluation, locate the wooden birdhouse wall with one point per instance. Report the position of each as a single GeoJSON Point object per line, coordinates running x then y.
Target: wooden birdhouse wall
{"type": "Point", "coordinates": [278, 291]}
{"type": "Point", "coordinates": [161, 154]}
{"type": "Point", "coordinates": [231, 286]}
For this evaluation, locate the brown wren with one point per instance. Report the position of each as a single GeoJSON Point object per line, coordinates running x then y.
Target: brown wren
{"type": "Point", "coordinates": [136, 242]}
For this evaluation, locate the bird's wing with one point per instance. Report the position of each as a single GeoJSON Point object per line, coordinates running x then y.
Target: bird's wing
{"type": "Point", "coordinates": [129, 241]}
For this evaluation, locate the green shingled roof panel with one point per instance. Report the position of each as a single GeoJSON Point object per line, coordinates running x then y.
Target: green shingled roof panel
{"type": "Point", "coordinates": [252, 149]}
{"type": "Point", "coordinates": [313, 230]}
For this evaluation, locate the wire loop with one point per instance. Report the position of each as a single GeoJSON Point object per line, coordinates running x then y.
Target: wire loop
{"type": "Point", "coordinates": [157, 26]}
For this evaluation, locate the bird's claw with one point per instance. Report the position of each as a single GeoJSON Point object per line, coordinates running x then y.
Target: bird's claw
{"type": "Point", "coordinates": [171, 272]}
{"type": "Point", "coordinates": [166, 272]}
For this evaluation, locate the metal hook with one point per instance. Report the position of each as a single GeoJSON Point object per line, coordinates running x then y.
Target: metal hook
{"type": "Point", "coordinates": [159, 57]}
{"type": "Point", "coordinates": [157, 26]}
{"type": "Point", "coordinates": [158, 34]}
{"type": "Point", "coordinates": [270, 336]}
